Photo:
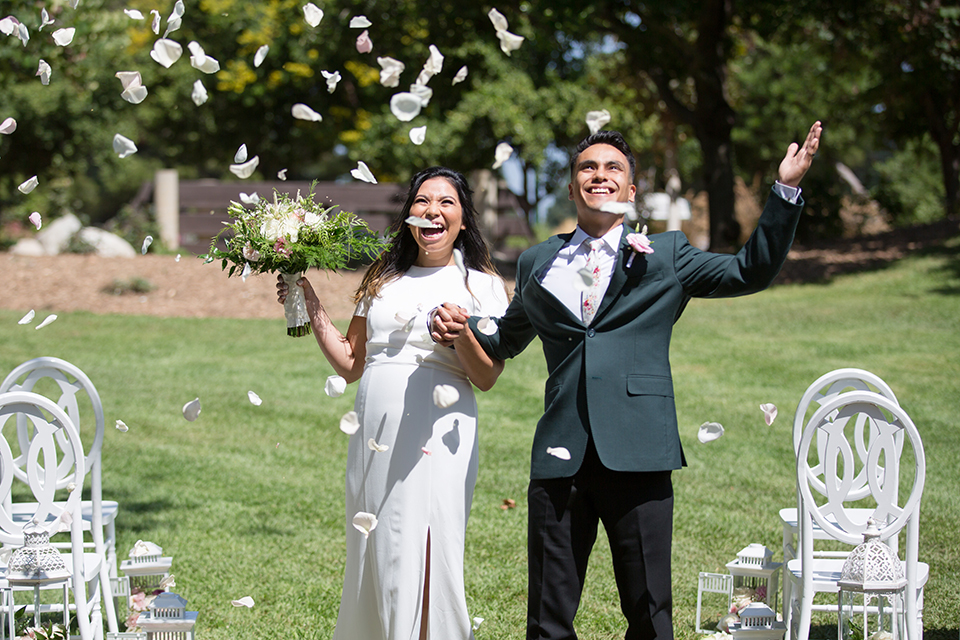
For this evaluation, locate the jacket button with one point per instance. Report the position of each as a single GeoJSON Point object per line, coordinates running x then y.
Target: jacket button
{"type": "Point", "coordinates": [591, 333]}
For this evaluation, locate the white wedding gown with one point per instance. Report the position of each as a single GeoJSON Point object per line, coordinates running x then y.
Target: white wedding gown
{"type": "Point", "coordinates": [423, 484]}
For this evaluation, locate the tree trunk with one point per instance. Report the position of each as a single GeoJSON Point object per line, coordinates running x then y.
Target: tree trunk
{"type": "Point", "coordinates": [718, 173]}
{"type": "Point", "coordinates": [943, 135]}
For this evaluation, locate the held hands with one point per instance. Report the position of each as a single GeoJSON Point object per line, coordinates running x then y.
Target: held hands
{"type": "Point", "coordinates": [798, 159]}
{"type": "Point", "coordinates": [448, 322]}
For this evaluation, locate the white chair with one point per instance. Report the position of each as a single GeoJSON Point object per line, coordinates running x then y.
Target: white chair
{"type": "Point", "coordinates": [73, 392]}
{"type": "Point", "coordinates": [829, 499]}
{"type": "Point", "coordinates": [824, 389]}
{"type": "Point", "coordinates": [55, 444]}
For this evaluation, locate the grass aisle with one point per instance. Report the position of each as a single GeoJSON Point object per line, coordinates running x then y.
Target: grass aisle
{"type": "Point", "coordinates": [249, 500]}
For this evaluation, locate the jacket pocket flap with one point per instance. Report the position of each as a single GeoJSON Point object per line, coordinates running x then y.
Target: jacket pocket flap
{"type": "Point", "coordinates": [650, 386]}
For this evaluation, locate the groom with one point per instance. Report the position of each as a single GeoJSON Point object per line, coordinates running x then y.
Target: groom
{"type": "Point", "coordinates": [608, 439]}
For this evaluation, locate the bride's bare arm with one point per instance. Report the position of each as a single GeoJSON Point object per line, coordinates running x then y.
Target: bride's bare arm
{"type": "Point", "coordinates": [345, 353]}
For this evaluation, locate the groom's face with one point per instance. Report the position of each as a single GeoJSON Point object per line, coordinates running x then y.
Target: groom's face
{"type": "Point", "coordinates": [602, 174]}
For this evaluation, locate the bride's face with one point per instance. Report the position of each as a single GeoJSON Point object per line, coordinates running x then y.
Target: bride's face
{"type": "Point", "coordinates": [438, 202]}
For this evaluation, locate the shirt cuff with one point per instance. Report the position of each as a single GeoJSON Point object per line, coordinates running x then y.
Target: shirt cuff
{"type": "Point", "coordinates": [788, 193]}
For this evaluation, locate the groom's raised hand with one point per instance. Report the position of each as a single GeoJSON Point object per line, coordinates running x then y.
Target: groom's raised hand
{"type": "Point", "coordinates": [799, 158]}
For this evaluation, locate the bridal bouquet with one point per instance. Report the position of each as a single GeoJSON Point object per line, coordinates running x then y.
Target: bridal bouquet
{"type": "Point", "coordinates": [288, 236]}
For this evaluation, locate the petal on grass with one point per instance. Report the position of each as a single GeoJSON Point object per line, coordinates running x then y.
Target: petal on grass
{"type": "Point", "coordinates": [501, 154]}
{"type": "Point", "coordinates": [27, 318]}
{"type": "Point", "coordinates": [335, 386]}
{"type": "Point", "coordinates": [559, 452]}
{"type": "Point", "coordinates": [64, 37]}
{"type": "Point", "coordinates": [166, 52]}
{"type": "Point", "coordinates": [597, 119]}
{"type": "Point", "coordinates": [445, 395]}
{"type": "Point", "coordinates": [365, 523]}
{"type": "Point", "coordinates": [146, 245]}
{"type": "Point", "coordinates": [349, 423]}
{"type": "Point", "coordinates": [123, 146]}
{"type": "Point", "coordinates": [303, 112]}
{"type": "Point", "coordinates": [254, 399]}
{"type": "Point", "coordinates": [373, 445]}
{"type": "Point", "coordinates": [769, 413]}
{"type": "Point", "coordinates": [362, 172]}
{"type": "Point", "coordinates": [245, 601]}
{"type": "Point", "coordinates": [191, 410]}
{"type": "Point", "coordinates": [241, 154]}
{"type": "Point", "coordinates": [245, 170]}
{"type": "Point", "coordinates": [405, 106]}
{"type": "Point", "coordinates": [312, 14]}
{"type": "Point", "coordinates": [260, 55]}
{"type": "Point", "coordinates": [709, 431]}
{"type": "Point", "coordinates": [418, 135]}
{"type": "Point", "coordinates": [121, 426]}
{"type": "Point", "coordinates": [461, 75]}
{"type": "Point", "coordinates": [360, 22]}
{"type": "Point", "coordinates": [28, 185]}
{"type": "Point", "coordinates": [50, 318]}
{"type": "Point", "coordinates": [35, 219]}
{"type": "Point", "coordinates": [9, 126]}
{"type": "Point", "coordinates": [199, 93]}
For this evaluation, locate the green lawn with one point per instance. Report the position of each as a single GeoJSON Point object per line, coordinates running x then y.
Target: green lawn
{"type": "Point", "coordinates": [248, 500]}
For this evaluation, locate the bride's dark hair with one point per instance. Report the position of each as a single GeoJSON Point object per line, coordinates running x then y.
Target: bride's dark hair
{"type": "Point", "coordinates": [403, 250]}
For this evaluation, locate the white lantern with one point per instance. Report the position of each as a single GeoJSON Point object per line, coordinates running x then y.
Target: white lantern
{"type": "Point", "coordinates": [756, 575]}
{"type": "Point", "coordinates": [758, 622]}
{"type": "Point", "coordinates": [146, 568]}
{"type": "Point", "coordinates": [168, 619]}
{"type": "Point", "coordinates": [872, 589]}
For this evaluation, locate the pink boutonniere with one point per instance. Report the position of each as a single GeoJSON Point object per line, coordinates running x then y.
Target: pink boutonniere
{"type": "Point", "coordinates": [639, 242]}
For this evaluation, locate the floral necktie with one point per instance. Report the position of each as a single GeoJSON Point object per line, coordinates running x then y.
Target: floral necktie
{"type": "Point", "coordinates": [591, 297]}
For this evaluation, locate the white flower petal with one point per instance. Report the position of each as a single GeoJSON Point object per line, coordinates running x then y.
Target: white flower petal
{"type": "Point", "coordinates": [458, 259]}
{"type": "Point", "coordinates": [250, 199]}
{"type": "Point", "coordinates": [45, 19]}
{"type": "Point", "coordinates": [312, 14]}
{"type": "Point", "coordinates": [134, 95]}
{"type": "Point", "coordinates": [177, 259]}
{"type": "Point", "coordinates": [200, 60]}
{"type": "Point", "coordinates": [28, 185]}
{"type": "Point", "coordinates": [333, 78]}
{"type": "Point", "coordinates": [426, 451]}
{"type": "Point", "coordinates": [364, 43]}
{"type": "Point", "coordinates": [418, 135]}
{"type": "Point", "coordinates": [431, 67]}
{"type": "Point", "coordinates": [498, 20]}
{"type": "Point", "coordinates": [349, 423]}
{"type": "Point", "coordinates": [254, 399]}
{"type": "Point", "coordinates": [461, 75]}
{"type": "Point", "coordinates": [373, 445]}
{"type": "Point", "coordinates": [476, 623]}
{"type": "Point", "coordinates": [509, 41]}
{"type": "Point", "coordinates": [245, 601]}
{"type": "Point", "coordinates": [487, 326]}
{"type": "Point", "coordinates": [260, 55]}
{"type": "Point", "coordinates": [769, 413]}
{"type": "Point", "coordinates": [282, 174]}
{"type": "Point", "coordinates": [64, 37]}
{"type": "Point", "coordinates": [597, 119]}
{"type": "Point", "coordinates": [146, 245]}
{"type": "Point", "coordinates": [44, 71]}
{"type": "Point", "coordinates": [360, 22]}
{"type": "Point", "coordinates": [199, 94]}
{"type": "Point", "coordinates": [50, 318]}
{"type": "Point", "coordinates": [133, 14]}
{"type": "Point", "coordinates": [362, 172]}
{"type": "Point", "coordinates": [28, 318]}
{"type": "Point", "coordinates": [709, 431]}
{"type": "Point", "coordinates": [129, 79]}
{"type": "Point", "coordinates": [559, 452]}
{"type": "Point", "coordinates": [191, 410]}
{"type": "Point", "coordinates": [9, 126]}
{"type": "Point", "coordinates": [423, 92]}
{"type": "Point", "coordinates": [123, 146]}
{"type": "Point", "coordinates": [445, 395]}
{"type": "Point", "coordinates": [23, 34]}
{"type": "Point", "coordinates": [390, 70]}
{"type": "Point", "coordinates": [168, 583]}
{"type": "Point", "coordinates": [423, 223]}
{"type": "Point", "coordinates": [166, 52]}
{"type": "Point", "coordinates": [617, 208]}
{"type": "Point", "coordinates": [8, 25]}
{"type": "Point", "coordinates": [155, 24]}
{"type": "Point", "coordinates": [335, 386]}
{"type": "Point", "coordinates": [241, 154]}
{"type": "Point", "coordinates": [405, 106]}
{"type": "Point", "coordinates": [365, 523]}
{"type": "Point", "coordinates": [35, 219]}
{"type": "Point", "coordinates": [303, 112]}
{"type": "Point", "coordinates": [246, 169]}
{"type": "Point", "coordinates": [121, 426]}
{"type": "Point", "coordinates": [501, 154]}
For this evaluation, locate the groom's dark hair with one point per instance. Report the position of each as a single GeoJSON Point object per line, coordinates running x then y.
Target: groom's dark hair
{"type": "Point", "coordinates": [612, 138]}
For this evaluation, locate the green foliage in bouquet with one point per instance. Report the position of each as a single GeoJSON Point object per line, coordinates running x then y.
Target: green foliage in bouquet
{"type": "Point", "coordinates": [291, 235]}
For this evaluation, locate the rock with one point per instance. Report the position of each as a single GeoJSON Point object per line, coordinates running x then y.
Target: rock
{"type": "Point", "coordinates": [107, 245]}
{"type": "Point", "coordinates": [28, 247]}
{"type": "Point", "coordinates": [56, 236]}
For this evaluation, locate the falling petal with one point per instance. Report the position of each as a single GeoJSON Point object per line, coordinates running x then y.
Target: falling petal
{"type": "Point", "coordinates": [44, 71]}
{"type": "Point", "coordinates": [445, 396]}
{"type": "Point", "coordinates": [241, 154]}
{"type": "Point", "coordinates": [9, 126]}
{"type": "Point", "coordinates": [146, 245]}
{"type": "Point", "coordinates": [362, 172]}
{"type": "Point", "coordinates": [28, 185]}
{"type": "Point", "coordinates": [509, 41]}
{"type": "Point", "coordinates": [431, 67]}
{"type": "Point", "coordinates": [191, 410]}
{"type": "Point", "coordinates": [365, 523]}
{"type": "Point", "coordinates": [335, 386]}
{"type": "Point", "coordinates": [64, 37]}
{"type": "Point", "coordinates": [487, 326]}
{"type": "Point", "coordinates": [121, 426]}
{"type": "Point", "coordinates": [134, 94]}
{"type": "Point", "coordinates": [498, 20]}
{"type": "Point", "coordinates": [303, 112]}
{"type": "Point", "coordinates": [508, 503]}
{"type": "Point", "coordinates": [426, 451]}
{"type": "Point", "coordinates": [597, 119]}
{"type": "Point", "coordinates": [559, 452]}
{"type": "Point", "coordinates": [155, 25]}
{"type": "Point", "coordinates": [200, 60]}
{"type": "Point", "coordinates": [129, 78]}
{"type": "Point", "coordinates": [8, 25]}
{"type": "Point", "coordinates": [332, 80]}
{"type": "Point", "coordinates": [245, 601]}
{"type": "Point", "coordinates": [28, 318]}
{"type": "Point", "coordinates": [123, 146]}
{"type": "Point", "coordinates": [177, 259]}
{"type": "Point", "coordinates": [71, 487]}
{"type": "Point", "coordinates": [282, 174]}
{"type": "Point", "coordinates": [260, 55]}
{"type": "Point", "coordinates": [360, 22]}
{"type": "Point", "coordinates": [617, 208]}
{"type": "Point", "coordinates": [405, 106]}
{"type": "Point", "coordinates": [312, 14]}
{"type": "Point", "coordinates": [254, 399]}
{"type": "Point", "coordinates": [166, 52]}
{"type": "Point", "coordinates": [364, 43]}
{"type": "Point", "coordinates": [168, 582]}
{"type": "Point", "coordinates": [349, 423]}
{"type": "Point", "coordinates": [373, 445]}
{"type": "Point", "coordinates": [461, 75]}
{"type": "Point", "coordinates": [23, 34]}
{"type": "Point", "coordinates": [45, 19]}
{"type": "Point", "coordinates": [458, 259]}
{"type": "Point", "coordinates": [35, 219]}
{"type": "Point", "coordinates": [246, 169]}
{"type": "Point", "coordinates": [246, 271]}
{"type": "Point", "coordinates": [476, 623]}
{"type": "Point", "coordinates": [501, 154]}
{"type": "Point", "coordinates": [133, 14]}
{"type": "Point", "coordinates": [769, 413]}
{"type": "Point", "coordinates": [50, 318]}
{"type": "Point", "coordinates": [709, 431]}
{"type": "Point", "coordinates": [199, 94]}
{"type": "Point", "coordinates": [250, 199]}
{"type": "Point", "coordinates": [390, 71]}
{"type": "Point", "coordinates": [583, 280]}
{"type": "Point", "coordinates": [422, 223]}
{"type": "Point", "coordinates": [418, 135]}
{"type": "Point", "coordinates": [173, 24]}
{"type": "Point", "coordinates": [423, 92]}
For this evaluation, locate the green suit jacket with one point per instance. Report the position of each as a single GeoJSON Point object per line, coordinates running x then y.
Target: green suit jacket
{"type": "Point", "coordinates": [612, 379]}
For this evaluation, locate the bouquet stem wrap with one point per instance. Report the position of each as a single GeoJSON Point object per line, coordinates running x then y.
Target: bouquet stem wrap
{"type": "Point", "coordinates": [295, 307]}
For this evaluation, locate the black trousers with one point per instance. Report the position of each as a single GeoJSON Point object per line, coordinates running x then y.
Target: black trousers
{"type": "Point", "coordinates": [637, 513]}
